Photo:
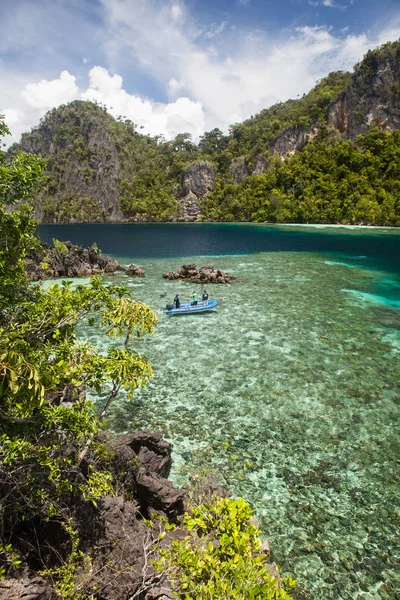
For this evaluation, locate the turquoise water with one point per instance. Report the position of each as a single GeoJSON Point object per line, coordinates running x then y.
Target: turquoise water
{"type": "Point", "coordinates": [290, 393]}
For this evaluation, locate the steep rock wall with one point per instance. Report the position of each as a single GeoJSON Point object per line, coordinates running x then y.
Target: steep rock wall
{"type": "Point", "coordinates": [372, 96]}
{"type": "Point", "coordinates": [198, 179]}
{"type": "Point", "coordinates": [83, 164]}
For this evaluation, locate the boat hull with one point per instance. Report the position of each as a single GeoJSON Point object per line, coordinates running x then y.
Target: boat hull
{"type": "Point", "coordinates": [187, 308]}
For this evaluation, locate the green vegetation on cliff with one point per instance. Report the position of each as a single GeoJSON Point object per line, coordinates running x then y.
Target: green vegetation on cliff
{"type": "Point", "coordinates": [301, 160]}
{"type": "Point", "coordinates": [330, 181]}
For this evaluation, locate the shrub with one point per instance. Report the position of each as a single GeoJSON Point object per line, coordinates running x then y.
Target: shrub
{"type": "Point", "coordinates": [220, 558]}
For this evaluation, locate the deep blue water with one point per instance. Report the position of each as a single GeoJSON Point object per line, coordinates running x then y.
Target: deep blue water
{"type": "Point", "coordinates": [368, 248]}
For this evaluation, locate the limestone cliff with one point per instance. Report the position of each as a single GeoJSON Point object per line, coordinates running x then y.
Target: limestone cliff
{"type": "Point", "coordinates": [197, 180]}
{"type": "Point", "coordinates": [83, 164]}
{"type": "Point", "coordinates": [292, 140]}
{"type": "Point", "coordinates": [372, 97]}
{"type": "Point", "coordinates": [238, 169]}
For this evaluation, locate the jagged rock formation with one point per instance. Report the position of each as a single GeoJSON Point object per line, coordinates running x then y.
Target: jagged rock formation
{"type": "Point", "coordinates": [83, 162]}
{"type": "Point", "coordinates": [27, 588]}
{"type": "Point", "coordinates": [149, 460]}
{"type": "Point", "coordinates": [371, 97]}
{"type": "Point", "coordinates": [238, 169]}
{"type": "Point", "coordinates": [290, 141]}
{"type": "Point", "coordinates": [113, 535]}
{"type": "Point", "coordinates": [204, 275]}
{"type": "Point", "coordinates": [66, 259]}
{"type": "Point", "coordinates": [197, 180]}
{"type": "Point", "coordinates": [135, 271]}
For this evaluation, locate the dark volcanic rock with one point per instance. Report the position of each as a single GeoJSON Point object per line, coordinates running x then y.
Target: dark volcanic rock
{"type": "Point", "coordinates": [68, 260]}
{"type": "Point", "coordinates": [35, 588]}
{"type": "Point", "coordinates": [115, 539]}
{"type": "Point", "coordinates": [142, 461]}
{"type": "Point", "coordinates": [152, 452]}
{"type": "Point", "coordinates": [118, 544]}
{"type": "Point", "coordinates": [135, 271]}
{"type": "Point", "coordinates": [204, 275]}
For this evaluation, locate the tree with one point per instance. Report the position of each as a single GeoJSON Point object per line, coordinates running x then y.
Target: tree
{"type": "Point", "coordinates": [213, 142]}
{"type": "Point", "coordinates": [46, 426]}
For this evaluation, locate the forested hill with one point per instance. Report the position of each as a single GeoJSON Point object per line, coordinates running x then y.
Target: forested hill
{"type": "Point", "coordinates": [331, 156]}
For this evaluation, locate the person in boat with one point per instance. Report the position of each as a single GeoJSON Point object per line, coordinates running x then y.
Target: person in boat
{"type": "Point", "coordinates": [194, 299]}
{"type": "Point", "coordinates": [177, 302]}
{"type": "Point", "coordinates": [205, 297]}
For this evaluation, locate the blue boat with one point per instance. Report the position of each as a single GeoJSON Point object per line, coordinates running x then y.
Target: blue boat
{"type": "Point", "coordinates": [187, 308]}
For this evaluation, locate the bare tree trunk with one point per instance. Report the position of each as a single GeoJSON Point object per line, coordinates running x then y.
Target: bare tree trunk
{"type": "Point", "coordinates": [110, 398]}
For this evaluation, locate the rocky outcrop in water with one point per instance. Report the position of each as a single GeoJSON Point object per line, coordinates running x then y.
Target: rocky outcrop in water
{"type": "Point", "coordinates": [197, 180]}
{"type": "Point", "coordinates": [204, 275]}
{"type": "Point", "coordinates": [135, 271]}
{"type": "Point", "coordinates": [66, 259]}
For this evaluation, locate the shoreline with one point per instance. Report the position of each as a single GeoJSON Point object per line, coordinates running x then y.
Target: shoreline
{"type": "Point", "coordinates": [267, 223]}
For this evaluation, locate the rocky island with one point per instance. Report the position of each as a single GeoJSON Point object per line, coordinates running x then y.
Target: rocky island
{"type": "Point", "coordinates": [204, 275]}
{"type": "Point", "coordinates": [65, 259]}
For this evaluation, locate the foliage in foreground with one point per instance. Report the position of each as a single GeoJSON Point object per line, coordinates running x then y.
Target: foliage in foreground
{"type": "Point", "coordinates": [220, 558]}
{"type": "Point", "coordinates": [46, 426]}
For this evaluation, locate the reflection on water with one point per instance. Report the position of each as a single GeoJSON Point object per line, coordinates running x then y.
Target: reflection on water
{"type": "Point", "coordinates": [290, 393]}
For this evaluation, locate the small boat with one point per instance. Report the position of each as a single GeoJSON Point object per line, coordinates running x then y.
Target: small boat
{"type": "Point", "coordinates": [187, 308]}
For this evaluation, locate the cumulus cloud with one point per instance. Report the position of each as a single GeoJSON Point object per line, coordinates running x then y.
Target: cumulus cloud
{"type": "Point", "coordinates": [46, 94]}
{"type": "Point", "coordinates": [205, 86]}
{"type": "Point", "coordinates": [231, 80]}
{"type": "Point", "coordinates": [167, 119]}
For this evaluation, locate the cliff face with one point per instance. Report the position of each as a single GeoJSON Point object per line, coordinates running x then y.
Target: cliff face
{"type": "Point", "coordinates": [197, 180]}
{"type": "Point", "coordinates": [83, 164]}
{"type": "Point", "coordinates": [372, 96]}
{"type": "Point", "coordinates": [292, 140]}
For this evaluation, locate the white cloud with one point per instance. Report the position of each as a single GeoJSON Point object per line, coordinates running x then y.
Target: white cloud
{"type": "Point", "coordinates": [328, 4]}
{"type": "Point", "coordinates": [215, 30]}
{"type": "Point", "coordinates": [47, 94]}
{"type": "Point", "coordinates": [155, 117]}
{"type": "Point", "coordinates": [176, 11]}
{"type": "Point", "coordinates": [205, 86]}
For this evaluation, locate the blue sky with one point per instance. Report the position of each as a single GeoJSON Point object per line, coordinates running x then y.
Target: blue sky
{"type": "Point", "coordinates": [179, 65]}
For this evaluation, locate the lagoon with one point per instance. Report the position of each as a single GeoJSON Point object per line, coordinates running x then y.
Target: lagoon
{"type": "Point", "coordinates": [289, 392]}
